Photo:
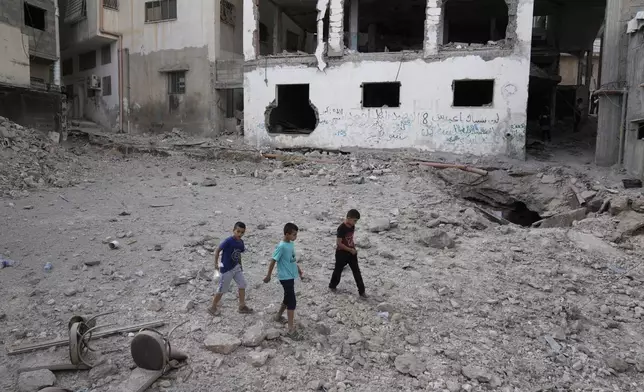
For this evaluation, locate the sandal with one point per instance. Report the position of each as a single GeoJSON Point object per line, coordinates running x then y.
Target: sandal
{"type": "Point", "coordinates": [245, 310]}
{"type": "Point", "coordinates": [213, 311]}
{"type": "Point", "coordinates": [294, 335]}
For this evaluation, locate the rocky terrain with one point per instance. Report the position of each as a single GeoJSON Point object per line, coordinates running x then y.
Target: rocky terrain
{"type": "Point", "coordinates": [458, 301]}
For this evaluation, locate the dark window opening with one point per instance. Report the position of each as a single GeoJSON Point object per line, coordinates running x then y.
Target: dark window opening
{"type": "Point", "coordinates": [156, 11]}
{"type": "Point", "coordinates": [106, 84]}
{"type": "Point", "coordinates": [289, 27]}
{"type": "Point", "coordinates": [469, 93]}
{"type": "Point", "coordinates": [640, 131]}
{"type": "Point", "coordinates": [378, 95]}
{"type": "Point", "coordinates": [111, 4]}
{"type": "Point", "coordinates": [35, 17]}
{"type": "Point", "coordinates": [69, 92]}
{"type": "Point", "coordinates": [234, 103]}
{"type": "Point", "coordinates": [385, 26]}
{"type": "Point", "coordinates": [87, 61]}
{"type": "Point", "coordinates": [106, 55]}
{"type": "Point", "coordinates": [474, 22]}
{"type": "Point", "coordinates": [177, 82]}
{"type": "Point", "coordinates": [263, 33]}
{"type": "Point", "coordinates": [68, 67]}
{"type": "Point", "coordinates": [294, 113]}
{"type": "Point", "coordinates": [292, 41]}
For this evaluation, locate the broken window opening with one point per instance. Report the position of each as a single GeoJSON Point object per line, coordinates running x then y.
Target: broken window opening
{"type": "Point", "coordinates": [35, 17]}
{"type": "Point", "coordinates": [384, 26]}
{"type": "Point", "coordinates": [289, 28]}
{"type": "Point", "coordinates": [87, 61]}
{"type": "Point", "coordinates": [234, 103]}
{"type": "Point", "coordinates": [378, 95]}
{"type": "Point", "coordinates": [473, 93]}
{"type": "Point", "coordinates": [68, 66]}
{"type": "Point", "coordinates": [474, 22]}
{"type": "Point", "coordinates": [293, 113]}
{"type": "Point", "coordinates": [640, 131]}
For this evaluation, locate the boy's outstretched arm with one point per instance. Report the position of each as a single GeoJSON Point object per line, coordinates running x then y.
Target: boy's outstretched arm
{"type": "Point", "coordinates": [299, 271]}
{"type": "Point", "coordinates": [270, 271]}
{"type": "Point", "coordinates": [217, 253]}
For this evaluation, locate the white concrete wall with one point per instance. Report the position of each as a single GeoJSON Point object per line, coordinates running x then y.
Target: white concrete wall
{"type": "Point", "coordinates": [14, 61]}
{"type": "Point", "coordinates": [425, 119]}
{"type": "Point", "coordinates": [100, 109]}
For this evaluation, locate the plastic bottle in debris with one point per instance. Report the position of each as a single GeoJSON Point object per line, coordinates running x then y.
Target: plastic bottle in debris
{"type": "Point", "coordinates": [7, 263]}
{"type": "Point", "coordinates": [48, 267]}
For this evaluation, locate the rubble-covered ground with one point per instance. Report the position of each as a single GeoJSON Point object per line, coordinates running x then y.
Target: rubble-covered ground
{"type": "Point", "coordinates": [457, 302]}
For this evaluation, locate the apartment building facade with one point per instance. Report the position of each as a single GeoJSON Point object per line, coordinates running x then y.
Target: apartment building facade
{"type": "Point", "coordinates": [151, 66]}
{"type": "Point", "coordinates": [29, 67]}
{"type": "Point", "coordinates": [432, 75]}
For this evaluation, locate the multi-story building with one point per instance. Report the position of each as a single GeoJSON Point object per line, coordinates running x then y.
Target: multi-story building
{"type": "Point", "coordinates": [29, 77]}
{"type": "Point", "coordinates": [144, 66]}
{"type": "Point", "coordinates": [434, 75]}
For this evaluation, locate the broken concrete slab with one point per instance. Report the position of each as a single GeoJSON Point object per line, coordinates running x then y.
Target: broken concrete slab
{"type": "Point", "coordinates": [34, 381]}
{"type": "Point", "coordinates": [222, 343]}
{"type": "Point", "coordinates": [629, 223]}
{"type": "Point", "coordinates": [565, 219]}
{"type": "Point", "coordinates": [593, 245]}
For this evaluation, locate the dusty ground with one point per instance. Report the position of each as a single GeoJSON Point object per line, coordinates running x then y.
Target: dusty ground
{"type": "Point", "coordinates": [508, 308]}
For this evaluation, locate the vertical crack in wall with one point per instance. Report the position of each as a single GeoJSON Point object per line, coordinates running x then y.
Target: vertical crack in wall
{"type": "Point", "coordinates": [336, 29]}
{"type": "Point", "coordinates": [322, 7]}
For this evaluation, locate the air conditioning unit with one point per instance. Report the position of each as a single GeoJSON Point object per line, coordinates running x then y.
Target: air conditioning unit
{"type": "Point", "coordinates": [94, 82]}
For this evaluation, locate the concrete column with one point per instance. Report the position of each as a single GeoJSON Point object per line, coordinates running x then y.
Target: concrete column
{"type": "Point", "coordinates": [433, 30]}
{"type": "Point", "coordinates": [372, 33]}
{"type": "Point", "coordinates": [580, 68]}
{"type": "Point", "coordinates": [589, 69]}
{"type": "Point", "coordinates": [353, 25]}
{"type": "Point", "coordinates": [336, 28]}
{"type": "Point", "coordinates": [608, 122]}
{"type": "Point", "coordinates": [251, 31]}
{"type": "Point", "coordinates": [277, 30]}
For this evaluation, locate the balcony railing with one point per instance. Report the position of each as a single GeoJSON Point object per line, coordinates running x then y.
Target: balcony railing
{"type": "Point", "coordinates": [111, 4]}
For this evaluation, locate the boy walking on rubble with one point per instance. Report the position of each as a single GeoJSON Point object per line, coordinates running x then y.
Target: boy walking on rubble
{"type": "Point", "coordinates": [287, 271]}
{"type": "Point", "coordinates": [231, 269]}
{"type": "Point", "coordinates": [346, 253]}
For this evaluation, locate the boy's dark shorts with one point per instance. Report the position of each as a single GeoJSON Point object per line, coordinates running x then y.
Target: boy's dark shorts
{"type": "Point", "coordinates": [289, 293]}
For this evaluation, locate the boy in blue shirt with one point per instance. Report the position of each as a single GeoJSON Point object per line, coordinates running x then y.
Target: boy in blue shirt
{"type": "Point", "coordinates": [231, 269]}
{"type": "Point", "coordinates": [287, 271]}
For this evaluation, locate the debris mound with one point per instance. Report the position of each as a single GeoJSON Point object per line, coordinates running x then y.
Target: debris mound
{"type": "Point", "coordinates": [29, 160]}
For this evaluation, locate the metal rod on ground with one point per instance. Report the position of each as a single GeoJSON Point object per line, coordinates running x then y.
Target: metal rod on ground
{"type": "Point", "coordinates": [440, 165]}
{"type": "Point", "coordinates": [59, 343]}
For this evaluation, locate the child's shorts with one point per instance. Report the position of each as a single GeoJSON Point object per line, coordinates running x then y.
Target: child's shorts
{"type": "Point", "coordinates": [289, 293]}
{"type": "Point", "coordinates": [227, 277]}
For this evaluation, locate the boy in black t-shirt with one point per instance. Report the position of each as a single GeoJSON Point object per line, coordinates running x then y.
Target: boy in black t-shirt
{"type": "Point", "coordinates": [346, 253]}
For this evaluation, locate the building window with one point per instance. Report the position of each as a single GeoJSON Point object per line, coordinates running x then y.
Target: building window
{"type": "Point", "coordinates": [476, 22]}
{"type": "Point", "coordinates": [111, 4]}
{"type": "Point", "coordinates": [87, 61]}
{"type": "Point", "coordinates": [640, 131]}
{"type": "Point", "coordinates": [378, 95]}
{"type": "Point", "coordinates": [69, 92]}
{"type": "Point", "coordinates": [228, 12]}
{"type": "Point", "coordinates": [106, 54]}
{"type": "Point", "coordinates": [263, 33]}
{"type": "Point", "coordinates": [177, 82]}
{"type": "Point", "coordinates": [156, 11]}
{"type": "Point", "coordinates": [35, 17]}
{"type": "Point", "coordinates": [75, 11]}
{"type": "Point", "coordinates": [473, 93]}
{"type": "Point", "coordinates": [68, 67]}
{"type": "Point", "coordinates": [294, 113]}
{"type": "Point", "coordinates": [106, 84]}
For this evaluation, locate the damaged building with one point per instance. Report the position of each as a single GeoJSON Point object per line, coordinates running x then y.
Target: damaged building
{"type": "Point", "coordinates": [151, 66]}
{"type": "Point", "coordinates": [433, 75]}
{"type": "Point", "coordinates": [29, 64]}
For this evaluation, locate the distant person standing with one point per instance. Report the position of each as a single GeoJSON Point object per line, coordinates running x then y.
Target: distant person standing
{"type": "Point", "coordinates": [579, 109]}
{"type": "Point", "coordinates": [544, 124]}
{"type": "Point", "coordinates": [594, 104]}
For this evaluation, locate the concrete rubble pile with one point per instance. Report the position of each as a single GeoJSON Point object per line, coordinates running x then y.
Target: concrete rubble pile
{"type": "Point", "coordinates": [29, 160]}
